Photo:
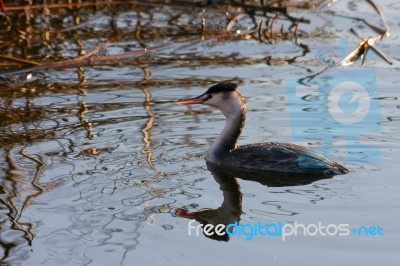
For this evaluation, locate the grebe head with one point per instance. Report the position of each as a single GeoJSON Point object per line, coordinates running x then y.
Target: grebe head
{"type": "Point", "coordinates": [223, 96]}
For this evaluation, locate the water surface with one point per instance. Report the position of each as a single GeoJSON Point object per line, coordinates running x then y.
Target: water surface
{"type": "Point", "coordinates": [97, 159]}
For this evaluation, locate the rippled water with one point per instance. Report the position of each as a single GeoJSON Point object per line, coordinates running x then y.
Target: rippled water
{"type": "Point", "coordinates": [98, 159]}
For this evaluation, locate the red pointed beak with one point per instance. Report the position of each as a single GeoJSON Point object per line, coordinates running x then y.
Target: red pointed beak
{"type": "Point", "coordinates": [198, 100]}
{"type": "Point", "coordinates": [191, 101]}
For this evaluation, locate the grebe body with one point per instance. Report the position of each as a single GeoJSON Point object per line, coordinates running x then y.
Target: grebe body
{"type": "Point", "coordinates": [268, 156]}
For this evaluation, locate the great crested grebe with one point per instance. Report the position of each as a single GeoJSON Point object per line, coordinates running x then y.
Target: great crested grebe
{"type": "Point", "coordinates": [258, 157]}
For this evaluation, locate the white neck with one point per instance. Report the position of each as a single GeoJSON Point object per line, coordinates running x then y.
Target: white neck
{"type": "Point", "coordinates": [235, 113]}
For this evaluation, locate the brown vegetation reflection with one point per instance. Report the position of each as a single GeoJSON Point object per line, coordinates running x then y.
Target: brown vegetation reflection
{"type": "Point", "coordinates": [19, 188]}
{"type": "Point", "coordinates": [147, 128]}
{"type": "Point", "coordinates": [41, 44]}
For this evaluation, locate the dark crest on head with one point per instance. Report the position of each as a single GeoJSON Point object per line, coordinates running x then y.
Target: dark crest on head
{"type": "Point", "coordinates": [222, 87]}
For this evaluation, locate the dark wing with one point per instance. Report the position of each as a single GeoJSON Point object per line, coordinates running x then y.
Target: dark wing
{"type": "Point", "coordinates": [281, 157]}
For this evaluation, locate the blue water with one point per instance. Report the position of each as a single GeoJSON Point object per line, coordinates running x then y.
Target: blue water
{"type": "Point", "coordinates": [94, 173]}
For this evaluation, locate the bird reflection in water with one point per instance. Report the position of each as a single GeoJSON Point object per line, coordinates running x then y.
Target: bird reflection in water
{"type": "Point", "coordinates": [231, 208]}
